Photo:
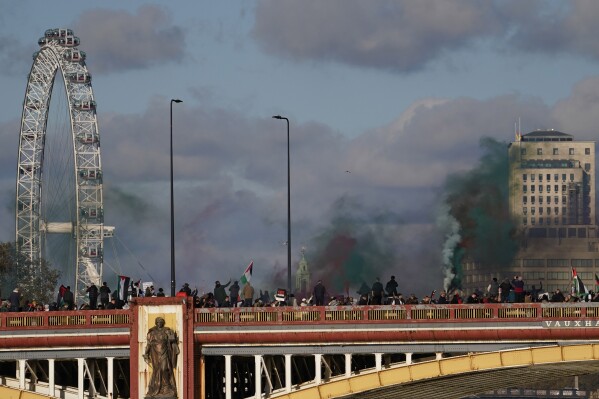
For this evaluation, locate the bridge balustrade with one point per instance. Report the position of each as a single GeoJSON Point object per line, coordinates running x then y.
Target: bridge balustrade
{"type": "Point", "coordinates": [393, 313]}
{"type": "Point", "coordinates": [320, 314]}
{"type": "Point", "coordinates": [64, 319]}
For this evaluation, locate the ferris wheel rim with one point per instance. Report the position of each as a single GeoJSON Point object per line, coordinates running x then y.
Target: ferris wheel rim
{"type": "Point", "coordinates": [58, 55]}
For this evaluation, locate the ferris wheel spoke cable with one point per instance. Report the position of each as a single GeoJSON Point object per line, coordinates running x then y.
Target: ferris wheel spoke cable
{"type": "Point", "coordinates": [116, 237]}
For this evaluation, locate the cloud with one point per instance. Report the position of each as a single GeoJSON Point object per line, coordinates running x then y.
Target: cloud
{"type": "Point", "coordinates": [437, 137]}
{"type": "Point", "coordinates": [122, 41]}
{"type": "Point", "coordinates": [578, 113]}
{"type": "Point", "coordinates": [570, 28]}
{"type": "Point", "coordinates": [403, 36]}
{"type": "Point", "coordinates": [15, 57]}
{"type": "Point", "coordinates": [407, 36]}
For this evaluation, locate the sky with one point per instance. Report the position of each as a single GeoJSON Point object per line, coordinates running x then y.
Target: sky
{"type": "Point", "coordinates": [386, 100]}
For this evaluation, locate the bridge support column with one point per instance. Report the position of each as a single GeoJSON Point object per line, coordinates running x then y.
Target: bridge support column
{"type": "Point", "coordinates": [228, 392]}
{"type": "Point", "coordinates": [109, 376]}
{"type": "Point", "coordinates": [378, 360]}
{"type": "Point", "coordinates": [318, 368]}
{"type": "Point", "coordinates": [258, 375]}
{"type": "Point", "coordinates": [80, 377]}
{"type": "Point", "coordinates": [51, 381]}
{"type": "Point", "coordinates": [348, 365]}
{"type": "Point", "coordinates": [287, 373]}
{"type": "Point", "coordinates": [22, 366]}
{"type": "Point", "coordinates": [438, 355]}
{"type": "Point", "coordinates": [408, 358]}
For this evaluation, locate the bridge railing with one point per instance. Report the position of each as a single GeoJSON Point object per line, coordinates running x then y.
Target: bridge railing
{"type": "Point", "coordinates": [311, 314]}
{"type": "Point", "coordinates": [393, 313]}
{"type": "Point", "coordinates": [64, 319]}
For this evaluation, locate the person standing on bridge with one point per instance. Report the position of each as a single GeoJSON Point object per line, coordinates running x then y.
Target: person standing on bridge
{"type": "Point", "coordinates": [92, 293]}
{"type": "Point", "coordinates": [319, 293]}
{"type": "Point", "coordinates": [518, 285]}
{"type": "Point", "coordinates": [220, 293]}
{"type": "Point", "coordinates": [104, 294]}
{"type": "Point", "coordinates": [391, 287]}
{"type": "Point", "coordinates": [15, 300]}
{"type": "Point", "coordinates": [377, 292]}
{"type": "Point", "coordinates": [68, 298]}
{"type": "Point", "coordinates": [234, 293]}
{"type": "Point", "coordinates": [493, 288]}
{"type": "Point", "coordinates": [248, 294]}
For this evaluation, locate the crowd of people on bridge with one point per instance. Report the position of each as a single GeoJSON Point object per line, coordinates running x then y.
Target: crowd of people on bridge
{"type": "Point", "coordinates": [506, 291]}
{"type": "Point", "coordinates": [232, 294]}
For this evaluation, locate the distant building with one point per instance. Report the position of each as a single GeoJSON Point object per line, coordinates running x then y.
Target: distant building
{"type": "Point", "coordinates": [302, 276]}
{"type": "Point", "coordinates": [552, 202]}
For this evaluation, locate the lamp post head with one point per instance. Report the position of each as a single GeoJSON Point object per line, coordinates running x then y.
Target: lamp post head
{"type": "Point", "coordinates": [176, 100]}
{"type": "Point", "coordinates": [277, 117]}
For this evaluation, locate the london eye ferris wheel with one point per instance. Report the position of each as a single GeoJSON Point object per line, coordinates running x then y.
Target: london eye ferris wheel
{"type": "Point", "coordinates": [59, 195]}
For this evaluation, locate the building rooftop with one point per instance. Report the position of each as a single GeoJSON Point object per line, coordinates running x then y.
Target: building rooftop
{"type": "Point", "coordinates": [547, 135]}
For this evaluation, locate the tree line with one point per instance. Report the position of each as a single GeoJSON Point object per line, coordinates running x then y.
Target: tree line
{"type": "Point", "coordinates": [36, 280]}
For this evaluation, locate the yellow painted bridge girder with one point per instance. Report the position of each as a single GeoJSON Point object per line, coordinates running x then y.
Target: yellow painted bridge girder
{"type": "Point", "coordinates": [467, 374]}
{"type": "Point", "coordinates": [14, 393]}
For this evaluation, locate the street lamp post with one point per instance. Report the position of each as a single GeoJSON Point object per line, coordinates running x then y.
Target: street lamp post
{"type": "Point", "coordinates": [172, 207]}
{"type": "Point", "coordinates": [288, 208]}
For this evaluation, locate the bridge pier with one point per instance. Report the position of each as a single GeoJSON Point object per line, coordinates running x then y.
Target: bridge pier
{"type": "Point", "coordinates": [409, 358]}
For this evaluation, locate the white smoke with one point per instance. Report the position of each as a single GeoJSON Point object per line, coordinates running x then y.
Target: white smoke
{"type": "Point", "coordinates": [451, 229]}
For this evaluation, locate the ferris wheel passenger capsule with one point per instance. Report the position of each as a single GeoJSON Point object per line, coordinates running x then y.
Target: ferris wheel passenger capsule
{"type": "Point", "coordinates": [91, 174]}
{"type": "Point", "coordinates": [43, 41]}
{"type": "Point", "coordinates": [74, 55]}
{"type": "Point", "coordinates": [64, 32]}
{"type": "Point", "coordinates": [80, 77]}
{"type": "Point", "coordinates": [84, 105]}
{"type": "Point", "coordinates": [69, 41]}
{"type": "Point", "coordinates": [88, 138]}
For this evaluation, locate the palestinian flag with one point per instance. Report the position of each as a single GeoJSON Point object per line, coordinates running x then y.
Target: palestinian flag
{"type": "Point", "coordinates": [123, 288]}
{"type": "Point", "coordinates": [247, 275]}
{"type": "Point", "coordinates": [578, 287]}
{"type": "Point", "coordinates": [596, 280]}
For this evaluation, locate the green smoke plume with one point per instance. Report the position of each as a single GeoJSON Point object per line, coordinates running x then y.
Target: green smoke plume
{"type": "Point", "coordinates": [477, 201]}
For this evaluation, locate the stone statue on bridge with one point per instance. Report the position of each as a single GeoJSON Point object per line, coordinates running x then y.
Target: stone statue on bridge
{"type": "Point", "coordinates": [161, 353]}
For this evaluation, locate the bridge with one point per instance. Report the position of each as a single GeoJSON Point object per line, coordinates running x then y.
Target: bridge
{"type": "Point", "coordinates": [299, 352]}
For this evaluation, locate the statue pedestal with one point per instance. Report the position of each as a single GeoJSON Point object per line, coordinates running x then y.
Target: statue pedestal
{"type": "Point", "coordinates": [177, 316]}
